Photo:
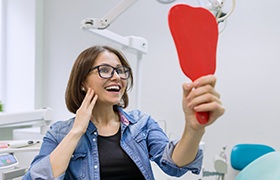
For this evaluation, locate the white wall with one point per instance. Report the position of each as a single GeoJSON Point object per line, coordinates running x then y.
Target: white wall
{"type": "Point", "coordinates": [247, 66]}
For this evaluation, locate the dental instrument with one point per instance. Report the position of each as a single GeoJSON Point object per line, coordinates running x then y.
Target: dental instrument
{"type": "Point", "coordinates": [11, 166]}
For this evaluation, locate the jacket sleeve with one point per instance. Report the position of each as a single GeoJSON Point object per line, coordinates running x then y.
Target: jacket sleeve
{"type": "Point", "coordinates": [40, 167]}
{"type": "Point", "coordinates": [41, 170]}
{"type": "Point", "coordinates": [161, 149]}
{"type": "Point", "coordinates": [167, 165]}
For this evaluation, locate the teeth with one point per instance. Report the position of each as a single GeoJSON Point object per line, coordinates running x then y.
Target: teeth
{"type": "Point", "coordinates": [113, 88]}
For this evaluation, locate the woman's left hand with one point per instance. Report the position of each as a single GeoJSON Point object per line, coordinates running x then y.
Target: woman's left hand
{"type": "Point", "coordinates": [201, 96]}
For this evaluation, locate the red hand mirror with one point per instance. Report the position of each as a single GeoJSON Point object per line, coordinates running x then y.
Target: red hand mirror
{"type": "Point", "coordinates": [195, 34]}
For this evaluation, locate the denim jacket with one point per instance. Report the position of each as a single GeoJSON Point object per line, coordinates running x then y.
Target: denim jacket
{"type": "Point", "coordinates": [141, 138]}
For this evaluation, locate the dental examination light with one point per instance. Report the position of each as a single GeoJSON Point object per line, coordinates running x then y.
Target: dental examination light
{"type": "Point", "coordinates": [132, 44]}
{"type": "Point", "coordinates": [215, 6]}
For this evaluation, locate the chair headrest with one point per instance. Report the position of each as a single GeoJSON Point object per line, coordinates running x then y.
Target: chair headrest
{"type": "Point", "coordinates": [244, 154]}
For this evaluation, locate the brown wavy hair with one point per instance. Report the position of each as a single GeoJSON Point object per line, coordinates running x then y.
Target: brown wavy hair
{"type": "Point", "coordinates": [74, 94]}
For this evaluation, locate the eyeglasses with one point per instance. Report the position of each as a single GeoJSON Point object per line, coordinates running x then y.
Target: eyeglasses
{"type": "Point", "coordinates": [106, 71]}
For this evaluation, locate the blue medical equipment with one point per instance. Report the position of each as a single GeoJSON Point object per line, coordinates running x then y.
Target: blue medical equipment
{"type": "Point", "coordinates": [244, 154]}
{"type": "Point", "coordinates": [255, 161]}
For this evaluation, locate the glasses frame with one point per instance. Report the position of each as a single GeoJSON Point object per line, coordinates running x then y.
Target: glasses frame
{"type": "Point", "coordinates": [115, 69]}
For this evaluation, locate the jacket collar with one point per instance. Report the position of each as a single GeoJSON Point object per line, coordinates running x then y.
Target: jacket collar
{"type": "Point", "coordinates": [124, 117]}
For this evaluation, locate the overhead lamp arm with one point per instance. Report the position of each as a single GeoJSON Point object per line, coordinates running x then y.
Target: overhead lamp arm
{"type": "Point", "coordinates": [104, 22]}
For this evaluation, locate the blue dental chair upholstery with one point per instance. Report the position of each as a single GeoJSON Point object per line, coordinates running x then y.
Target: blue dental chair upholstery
{"type": "Point", "coordinates": [255, 162]}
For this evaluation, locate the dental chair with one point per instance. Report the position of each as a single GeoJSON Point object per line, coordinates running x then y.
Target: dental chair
{"type": "Point", "coordinates": [255, 162]}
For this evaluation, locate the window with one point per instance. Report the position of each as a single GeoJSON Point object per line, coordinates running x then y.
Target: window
{"type": "Point", "coordinates": [2, 70]}
{"type": "Point", "coordinates": [18, 54]}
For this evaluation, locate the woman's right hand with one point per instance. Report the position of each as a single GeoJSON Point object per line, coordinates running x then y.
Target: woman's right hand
{"type": "Point", "coordinates": [62, 154]}
{"type": "Point", "coordinates": [84, 113]}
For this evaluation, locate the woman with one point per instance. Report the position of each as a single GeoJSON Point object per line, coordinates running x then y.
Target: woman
{"type": "Point", "coordinates": [105, 142]}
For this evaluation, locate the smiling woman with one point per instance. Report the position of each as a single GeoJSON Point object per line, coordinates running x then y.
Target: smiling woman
{"type": "Point", "coordinates": [103, 141]}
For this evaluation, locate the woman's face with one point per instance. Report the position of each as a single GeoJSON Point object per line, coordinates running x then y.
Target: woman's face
{"type": "Point", "coordinates": [111, 90]}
